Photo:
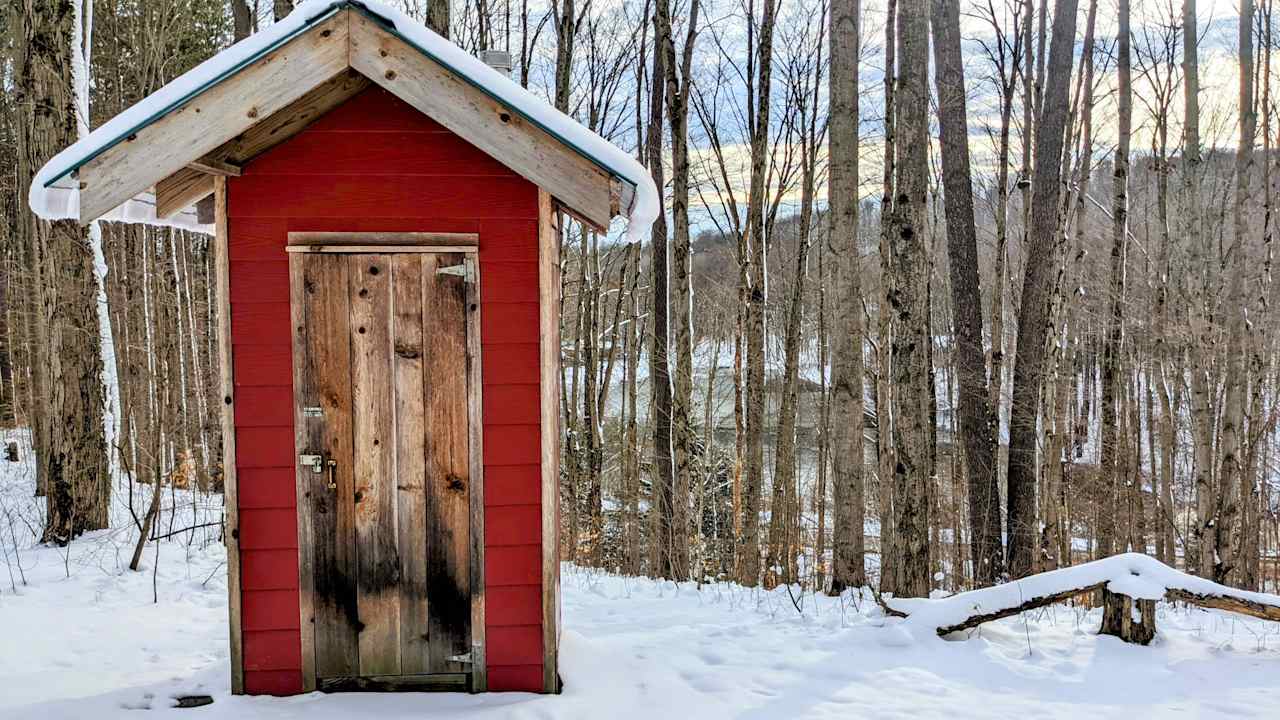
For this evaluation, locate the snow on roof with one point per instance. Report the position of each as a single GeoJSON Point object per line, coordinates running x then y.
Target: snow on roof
{"type": "Point", "coordinates": [54, 193]}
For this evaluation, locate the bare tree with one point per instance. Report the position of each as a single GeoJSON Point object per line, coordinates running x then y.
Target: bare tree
{"type": "Point", "coordinates": [662, 541]}
{"type": "Point", "coordinates": [909, 300]}
{"type": "Point", "coordinates": [759, 103]}
{"type": "Point", "coordinates": [848, 485]}
{"type": "Point", "coordinates": [677, 83]}
{"type": "Point", "coordinates": [1112, 345]}
{"type": "Point", "coordinates": [438, 16]}
{"type": "Point", "coordinates": [966, 295]}
{"type": "Point", "coordinates": [1043, 236]}
{"type": "Point", "coordinates": [1233, 484]}
{"type": "Point", "coordinates": [70, 441]}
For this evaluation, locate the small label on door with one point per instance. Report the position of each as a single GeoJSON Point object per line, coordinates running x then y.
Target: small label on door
{"type": "Point", "coordinates": [312, 412]}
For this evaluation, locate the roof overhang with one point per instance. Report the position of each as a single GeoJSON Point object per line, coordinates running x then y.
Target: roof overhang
{"type": "Point", "coordinates": [217, 121]}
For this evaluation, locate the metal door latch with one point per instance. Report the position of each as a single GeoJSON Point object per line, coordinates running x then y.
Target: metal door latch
{"type": "Point", "coordinates": [318, 463]}
{"type": "Point", "coordinates": [315, 462]}
{"type": "Point", "coordinates": [463, 658]}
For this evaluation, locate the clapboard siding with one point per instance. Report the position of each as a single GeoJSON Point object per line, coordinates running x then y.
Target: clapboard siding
{"type": "Point", "coordinates": [514, 404]}
{"type": "Point", "coordinates": [512, 525]}
{"type": "Point", "coordinates": [512, 565]}
{"type": "Point", "coordinates": [510, 363]}
{"type": "Point", "coordinates": [265, 488]}
{"type": "Point", "coordinates": [516, 644]}
{"type": "Point", "coordinates": [268, 528]}
{"type": "Point", "coordinates": [512, 485]}
{"type": "Point", "coordinates": [361, 152]}
{"type": "Point", "coordinates": [270, 610]}
{"type": "Point", "coordinates": [525, 678]}
{"type": "Point", "coordinates": [264, 365]}
{"type": "Point", "coordinates": [374, 164]}
{"type": "Point", "coordinates": [272, 682]}
{"type": "Point", "coordinates": [264, 406]}
{"type": "Point", "coordinates": [272, 650]}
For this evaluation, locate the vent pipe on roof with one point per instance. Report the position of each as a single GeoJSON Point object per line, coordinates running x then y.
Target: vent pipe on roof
{"type": "Point", "coordinates": [499, 60]}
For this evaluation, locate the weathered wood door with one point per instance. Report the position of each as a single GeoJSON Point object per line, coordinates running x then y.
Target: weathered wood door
{"type": "Point", "coordinates": [383, 350]}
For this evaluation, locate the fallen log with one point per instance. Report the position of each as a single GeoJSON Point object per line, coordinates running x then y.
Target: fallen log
{"type": "Point", "coordinates": [1031, 604]}
{"type": "Point", "coordinates": [1230, 604]}
{"type": "Point", "coordinates": [1131, 584]}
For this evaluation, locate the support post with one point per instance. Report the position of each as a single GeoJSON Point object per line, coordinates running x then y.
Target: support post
{"type": "Point", "coordinates": [1132, 620]}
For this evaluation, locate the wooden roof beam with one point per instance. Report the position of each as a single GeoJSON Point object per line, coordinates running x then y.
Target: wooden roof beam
{"type": "Point", "coordinates": [186, 186]}
{"type": "Point", "coordinates": [214, 117]}
{"type": "Point", "coordinates": [214, 166]}
{"type": "Point", "coordinates": [471, 114]}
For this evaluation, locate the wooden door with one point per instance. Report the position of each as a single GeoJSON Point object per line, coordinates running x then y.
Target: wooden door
{"type": "Point", "coordinates": [386, 405]}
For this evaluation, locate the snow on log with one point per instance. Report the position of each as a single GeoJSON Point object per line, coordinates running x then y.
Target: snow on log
{"type": "Point", "coordinates": [1131, 584]}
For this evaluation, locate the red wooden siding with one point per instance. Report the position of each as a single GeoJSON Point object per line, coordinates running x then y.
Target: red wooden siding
{"type": "Point", "coordinates": [375, 164]}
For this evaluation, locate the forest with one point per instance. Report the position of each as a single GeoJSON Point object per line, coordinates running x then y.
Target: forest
{"type": "Point", "coordinates": [944, 293]}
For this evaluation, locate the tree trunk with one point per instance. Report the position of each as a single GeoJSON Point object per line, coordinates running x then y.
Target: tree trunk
{"type": "Point", "coordinates": [909, 300]}
{"type": "Point", "coordinates": [966, 296]}
{"type": "Point", "coordinates": [1231, 478]}
{"type": "Point", "coordinates": [1034, 308]}
{"type": "Point", "coordinates": [1133, 621]}
{"type": "Point", "coordinates": [677, 82]}
{"type": "Point", "coordinates": [757, 296]}
{"type": "Point", "coordinates": [662, 540]}
{"type": "Point", "coordinates": [846, 402]}
{"type": "Point", "coordinates": [71, 451]}
{"type": "Point", "coordinates": [1113, 345]}
{"type": "Point", "coordinates": [885, 320]}
{"type": "Point", "coordinates": [241, 19]}
{"type": "Point", "coordinates": [438, 17]}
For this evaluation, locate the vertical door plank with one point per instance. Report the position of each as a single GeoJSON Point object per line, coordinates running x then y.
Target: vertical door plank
{"type": "Point", "coordinates": [378, 564]}
{"type": "Point", "coordinates": [410, 451]}
{"type": "Point", "coordinates": [321, 374]}
{"type": "Point", "coordinates": [448, 475]}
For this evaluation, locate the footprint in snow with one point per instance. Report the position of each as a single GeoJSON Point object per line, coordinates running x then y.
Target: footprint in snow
{"type": "Point", "coordinates": [143, 704]}
{"type": "Point", "coordinates": [711, 658]}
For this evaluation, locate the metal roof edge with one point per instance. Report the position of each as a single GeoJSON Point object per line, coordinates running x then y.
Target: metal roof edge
{"type": "Point", "coordinates": [195, 92]}
{"type": "Point", "coordinates": [383, 22]}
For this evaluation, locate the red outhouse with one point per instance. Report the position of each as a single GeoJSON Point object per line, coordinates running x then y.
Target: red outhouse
{"type": "Point", "coordinates": [385, 212]}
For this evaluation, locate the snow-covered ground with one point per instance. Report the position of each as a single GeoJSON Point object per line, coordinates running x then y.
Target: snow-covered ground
{"type": "Point", "coordinates": [84, 639]}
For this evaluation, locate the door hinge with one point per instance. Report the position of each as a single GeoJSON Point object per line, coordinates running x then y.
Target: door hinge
{"type": "Point", "coordinates": [462, 270]}
{"type": "Point", "coordinates": [463, 658]}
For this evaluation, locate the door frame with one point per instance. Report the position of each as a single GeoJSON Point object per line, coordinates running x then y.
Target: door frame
{"type": "Point", "coordinates": [365, 243]}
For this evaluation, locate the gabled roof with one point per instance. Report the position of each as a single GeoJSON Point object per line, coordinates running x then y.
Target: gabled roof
{"type": "Point", "coordinates": [269, 86]}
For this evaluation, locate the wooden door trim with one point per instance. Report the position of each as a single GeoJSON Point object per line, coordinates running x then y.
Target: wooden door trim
{"type": "Point", "coordinates": [549, 431]}
{"type": "Point", "coordinates": [231, 495]}
{"type": "Point", "coordinates": [475, 449]}
{"type": "Point", "coordinates": [390, 239]}
{"type": "Point", "coordinates": [380, 249]}
{"type": "Point", "coordinates": [475, 432]}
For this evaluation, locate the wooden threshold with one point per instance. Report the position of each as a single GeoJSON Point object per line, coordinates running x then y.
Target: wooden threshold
{"type": "Point", "coordinates": [436, 682]}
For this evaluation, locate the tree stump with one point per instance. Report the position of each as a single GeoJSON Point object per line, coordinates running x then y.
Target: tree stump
{"type": "Point", "coordinates": [1133, 621]}
{"type": "Point", "coordinates": [11, 451]}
